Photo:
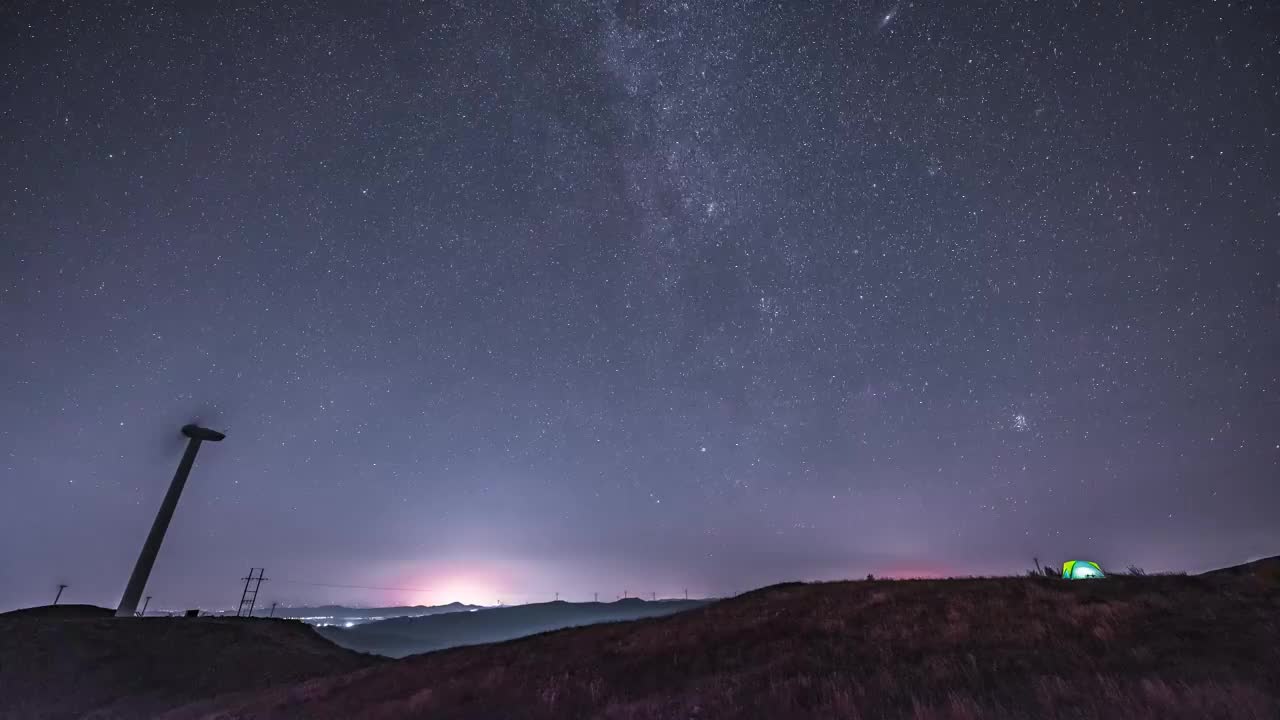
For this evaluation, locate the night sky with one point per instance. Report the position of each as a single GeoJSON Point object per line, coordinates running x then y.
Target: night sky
{"type": "Point", "coordinates": [497, 300]}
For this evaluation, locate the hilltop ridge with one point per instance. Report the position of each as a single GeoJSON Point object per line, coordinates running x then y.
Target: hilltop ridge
{"type": "Point", "coordinates": [1142, 648]}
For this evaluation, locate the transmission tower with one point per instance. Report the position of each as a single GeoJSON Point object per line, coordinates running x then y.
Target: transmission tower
{"type": "Point", "coordinates": [250, 596]}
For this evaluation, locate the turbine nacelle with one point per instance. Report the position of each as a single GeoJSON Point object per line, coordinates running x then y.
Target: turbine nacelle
{"type": "Point", "coordinates": [195, 432]}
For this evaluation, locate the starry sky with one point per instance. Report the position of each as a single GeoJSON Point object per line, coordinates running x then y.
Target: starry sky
{"type": "Point", "coordinates": [496, 300]}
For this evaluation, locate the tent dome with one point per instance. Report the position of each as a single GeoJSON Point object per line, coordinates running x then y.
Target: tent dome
{"type": "Point", "coordinates": [1081, 570]}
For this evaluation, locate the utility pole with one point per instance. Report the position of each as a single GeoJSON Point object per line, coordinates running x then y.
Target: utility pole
{"type": "Point", "coordinates": [557, 597]}
{"type": "Point", "coordinates": [686, 593]}
{"type": "Point", "coordinates": [624, 594]}
{"type": "Point", "coordinates": [653, 596]}
{"type": "Point", "coordinates": [144, 607]}
{"type": "Point", "coordinates": [273, 610]}
{"type": "Point", "coordinates": [151, 548]}
{"type": "Point", "coordinates": [59, 595]}
{"type": "Point", "coordinates": [250, 596]}
{"type": "Point", "coordinates": [595, 597]}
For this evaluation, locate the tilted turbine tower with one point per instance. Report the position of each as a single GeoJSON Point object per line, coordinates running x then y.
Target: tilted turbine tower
{"type": "Point", "coordinates": [151, 548]}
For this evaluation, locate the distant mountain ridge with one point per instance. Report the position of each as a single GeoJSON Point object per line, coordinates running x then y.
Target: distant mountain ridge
{"type": "Point", "coordinates": [343, 614]}
{"type": "Point", "coordinates": [398, 637]}
{"type": "Point", "coordinates": [307, 613]}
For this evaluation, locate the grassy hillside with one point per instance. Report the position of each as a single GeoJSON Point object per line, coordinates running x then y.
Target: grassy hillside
{"type": "Point", "coordinates": [399, 637]}
{"type": "Point", "coordinates": [1138, 648]}
{"type": "Point", "coordinates": [57, 663]}
{"type": "Point", "coordinates": [1266, 570]}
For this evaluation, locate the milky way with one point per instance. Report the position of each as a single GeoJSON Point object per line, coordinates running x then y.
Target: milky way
{"type": "Point", "coordinates": [498, 300]}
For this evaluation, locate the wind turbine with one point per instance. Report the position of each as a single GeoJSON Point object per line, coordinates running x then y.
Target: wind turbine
{"type": "Point", "coordinates": [142, 569]}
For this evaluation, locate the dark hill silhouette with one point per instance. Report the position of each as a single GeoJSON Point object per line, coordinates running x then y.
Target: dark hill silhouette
{"type": "Point", "coordinates": [1266, 569]}
{"type": "Point", "coordinates": [66, 612]}
{"type": "Point", "coordinates": [403, 636]}
{"type": "Point", "coordinates": [60, 665]}
{"type": "Point", "coordinates": [1169, 647]}
{"type": "Point", "coordinates": [1141, 648]}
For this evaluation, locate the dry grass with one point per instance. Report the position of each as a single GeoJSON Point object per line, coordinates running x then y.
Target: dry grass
{"type": "Point", "coordinates": [1136, 647]}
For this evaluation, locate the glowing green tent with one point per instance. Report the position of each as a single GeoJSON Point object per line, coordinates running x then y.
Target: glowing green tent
{"type": "Point", "coordinates": [1081, 570]}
